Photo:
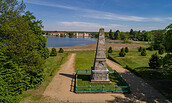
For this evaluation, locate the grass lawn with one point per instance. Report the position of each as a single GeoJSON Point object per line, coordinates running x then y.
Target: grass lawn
{"type": "Point", "coordinates": [85, 60]}
{"type": "Point", "coordinates": [140, 64]}
{"type": "Point", "coordinates": [52, 65]}
{"type": "Point", "coordinates": [84, 80]}
{"type": "Point", "coordinates": [158, 78]}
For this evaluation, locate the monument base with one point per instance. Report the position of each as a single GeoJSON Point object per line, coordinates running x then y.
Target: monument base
{"type": "Point", "coordinates": [100, 76]}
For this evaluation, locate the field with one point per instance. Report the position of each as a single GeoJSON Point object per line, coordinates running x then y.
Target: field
{"type": "Point", "coordinates": [158, 78]}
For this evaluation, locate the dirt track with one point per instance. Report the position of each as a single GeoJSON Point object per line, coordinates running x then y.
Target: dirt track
{"type": "Point", "coordinates": [61, 88]}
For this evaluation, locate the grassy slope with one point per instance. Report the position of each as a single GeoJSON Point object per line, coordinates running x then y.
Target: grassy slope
{"type": "Point", "coordinates": [51, 67]}
{"type": "Point", "coordinates": [141, 68]}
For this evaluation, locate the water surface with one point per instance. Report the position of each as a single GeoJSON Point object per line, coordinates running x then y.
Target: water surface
{"type": "Point", "coordinates": [68, 42]}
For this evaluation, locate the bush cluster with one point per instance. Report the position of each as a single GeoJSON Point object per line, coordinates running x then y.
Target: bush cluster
{"type": "Point", "coordinates": [53, 52]}
{"type": "Point", "coordinates": [155, 61]}
{"type": "Point", "coordinates": [61, 50]}
{"type": "Point", "coordinates": [126, 49]}
{"type": "Point", "coordinates": [110, 50]}
{"type": "Point", "coordinates": [122, 53]}
{"type": "Point", "coordinates": [140, 49]}
{"type": "Point", "coordinates": [143, 53]}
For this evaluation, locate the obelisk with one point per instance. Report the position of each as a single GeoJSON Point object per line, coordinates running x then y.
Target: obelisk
{"type": "Point", "coordinates": [100, 73]}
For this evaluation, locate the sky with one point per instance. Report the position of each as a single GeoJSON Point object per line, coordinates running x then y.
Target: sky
{"type": "Point", "coordinates": [90, 15]}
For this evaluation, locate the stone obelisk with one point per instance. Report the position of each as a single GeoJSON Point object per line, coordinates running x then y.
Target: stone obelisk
{"type": "Point", "coordinates": [100, 73]}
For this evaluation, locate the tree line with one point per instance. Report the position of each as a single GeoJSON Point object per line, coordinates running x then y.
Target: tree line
{"type": "Point", "coordinates": [156, 38]}
{"type": "Point", "coordinates": [23, 50]}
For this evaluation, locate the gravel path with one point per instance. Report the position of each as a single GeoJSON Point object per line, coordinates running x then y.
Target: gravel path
{"type": "Point", "coordinates": [61, 88]}
{"type": "Point", "coordinates": [139, 88]}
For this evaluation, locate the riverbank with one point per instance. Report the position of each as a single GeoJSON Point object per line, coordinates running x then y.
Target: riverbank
{"type": "Point", "coordinates": [92, 46]}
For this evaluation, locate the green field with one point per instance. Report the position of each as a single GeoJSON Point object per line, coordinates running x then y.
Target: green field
{"type": "Point", "coordinates": [84, 60]}
{"type": "Point", "coordinates": [139, 64]}
{"type": "Point", "coordinates": [158, 78]}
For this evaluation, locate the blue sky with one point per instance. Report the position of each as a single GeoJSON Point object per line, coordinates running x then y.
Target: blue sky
{"type": "Point", "coordinates": [90, 15]}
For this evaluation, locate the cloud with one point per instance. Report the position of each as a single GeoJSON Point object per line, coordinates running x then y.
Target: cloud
{"type": "Point", "coordinates": [89, 13]}
{"type": "Point", "coordinates": [93, 27]}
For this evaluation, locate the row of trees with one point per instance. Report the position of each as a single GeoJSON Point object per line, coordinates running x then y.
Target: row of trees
{"type": "Point", "coordinates": [156, 38]}
{"type": "Point", "coordinates": [22, 51]}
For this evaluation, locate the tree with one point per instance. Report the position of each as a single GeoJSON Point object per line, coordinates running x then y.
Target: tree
{"type": "Point", "coordinates": [21, 62]}
{"type": "Point", "coordinates": [126, 49]}
{"type": "Point", "coordinates": [132, 34]}
{"type": "Point", "coordinates": [124, 37]}
{"type": "Point", "coordinates": [53, 52]}
{"type": "Point", "coordinates": [110, 34]}
{"type": "Point", "coordinates": [168, 38]}
{"type": "Point", "coordinates": [117, 35]}
{"type": "Point", "coordinates": [122, 53]}
{"type": "Point", "coordinates": [36, 26]}
{"type": "Point", "coordinates": [155, 61]}
{"type": "Point", "coordinates": [61, 50]}
{"type": "Point", "coordinates": [161, 49]}
{"type": "Point", "coordinates": [158, 38]}
{"type": "Point", "coordinates": [167, 61]}
{"type": "Point", "coordinates": [110, 50]}
{"type": "Point", "coordinates": [143, 53]}
{"type": "Point", "coordinates": [140, 49]}
{"type": "Point", "coordinates": [71, 35]}
{"type": "Point", "coordinates": [151, 48]}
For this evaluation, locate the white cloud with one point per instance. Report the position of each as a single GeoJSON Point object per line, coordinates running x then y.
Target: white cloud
{"type": "Point", "coordinates": [96, 14]}
{"type": "Point", "coordinates": [93, 27]}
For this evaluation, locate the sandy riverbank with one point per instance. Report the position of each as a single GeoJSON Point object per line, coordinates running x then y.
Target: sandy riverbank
{"type": "Point", "coordinates": [92, 46]}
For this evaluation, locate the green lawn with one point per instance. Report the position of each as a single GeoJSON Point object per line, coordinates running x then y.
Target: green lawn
{"type": "Point", "coordinates": [134, 58]}
{"type": "Point", "coordinates": [84, 80]}
{"type": "Point", "coordinates": [140, 64]}
{"type": "Point", "coordinates": [158, 78]}
{"type": "Point", "coordinates": [85, 60]}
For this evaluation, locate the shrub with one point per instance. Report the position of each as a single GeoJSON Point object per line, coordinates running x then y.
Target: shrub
{"type": "Point", "coordinates": [122, 53]}
{"type": "Point", "coordinates": [167, 61]}
{"type": "Point", "coordinates": [161, 49]}
{"type": "Point", "coordinates": [53, 52]}
{"type": "Point", "coordinates": [143, 53]}
{"type": "Point", "coordinates": [110, 50]}
{"type": "Point", "coordinates": [155, 61]}
{"type": "Point", "coordinates": [140, 49]}
{"type": "Point", "coordinates": [61, 50]}
{"type": "Point", "coordinates": [151, 48]}
{"type": "Point", "coordinates": [126, 49]}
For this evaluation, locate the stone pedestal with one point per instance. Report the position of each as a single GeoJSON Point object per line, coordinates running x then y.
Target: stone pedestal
{"type": "Point", "coordinates": [100, 73]}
